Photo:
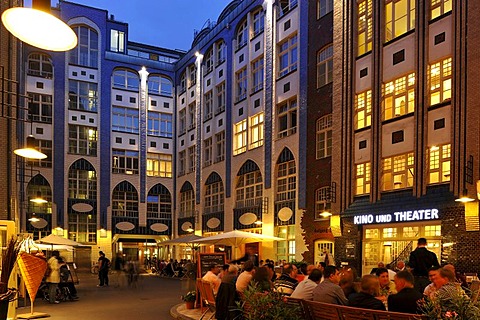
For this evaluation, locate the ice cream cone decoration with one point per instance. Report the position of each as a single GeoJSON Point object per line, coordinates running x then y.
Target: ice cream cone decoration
{"type": "Point", "coordinates": [32, 269]}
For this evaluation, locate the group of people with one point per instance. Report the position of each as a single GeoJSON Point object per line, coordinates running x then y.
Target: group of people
{"type": "Point", "coordinates": [57, 277]}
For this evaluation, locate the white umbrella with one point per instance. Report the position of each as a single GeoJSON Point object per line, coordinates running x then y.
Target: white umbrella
{"type": "Point", "coordinates": [53, 239]}
{"type": "Point", "coordinates": [183, 240]}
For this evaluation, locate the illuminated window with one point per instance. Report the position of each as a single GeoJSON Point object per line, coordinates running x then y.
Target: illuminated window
{"type": "Point", "coordinates": [240, 137]}
{"type": "Point", "coordinates": [220, 101]}
{"type": "Point", "coordinates": [411, 232]}
{"type": "Point", "coordinates": [182, 121]}
{"type": "Point", "coordinates": [389, 232]}
{"type": "Point", "coordinates": [159, 165]}
{"type": "Point", "coordinates": [287, 118]}
{"type": "Point", "coordinates": [40, 107]}
{"type": "Point", "coordinates": [365, 26]}
{"type": "Point", "coordinates": [220, 146]}
{"type": "Point", "coordinates": [160, 85]}
{"type": "Point", "coordinates": [214, 195]}
{"type": "Point", "coordinates": [363, 178]}
{"type": "Point", "coordinates": [208, 106]}
{"type": "Point", "coordinates": [191, 115]}
{"type": "Point", "coordinates": [323, 198]}
{"type": "Point", "coordinates": [209, 60]}
{"type": "Point", "coordinates": [324, 137]}
{"type": "Point", "coordinates": [371, 234]}
{"type": "Point", "coordinates": [363, 109]}
{"type": "Point", "coordinates": [45, 147]}
{"type": "Point", "coordinates": [117, 41]}
{"type": "Point", "coordinates": [182, 162]}
{"type": "Point", "coordinates": [398, 172]}
{"type": "Point", "coordinates": [241, 82]}
{"type": "Point", "coordinates": [324, 7]}
{"type": "Point", "coordinates": [125, 119]}
{"type": "Point", "coordinates": [221, 52]}
{"type": "Point", "coordinates": [159, 203]}
{"type": "Point", "coordinates": [82, 96]}
{"type": "Point", "coordinates": [124, 161]}
{"type": "Point", "coordinates": [440, 7]}
{"type": "Point", "coordinates": [86, 52]}
{"type": "Point", "coordinates": [287, 56]}
{"type": "Point", "coordinates": [207, 152]}
{"type": "Point", "coordinates": [249, 189]}
{"type": "Point", "coordinates": [286, 248]}
{"type": "Point", "coordinates": [256, 131]}
{"type": "Point", "coordinates": [399, 97]}
{"type": "Point", "coordinates": [433, 231]}
{"type": "Point", "coordinates": [125, 79]}
{"type": "Point", "coordinates": [160, 124]}
{"type": "Point", "coordinates": [192, 75]}
{"type": "Point", "coordinates": [82, 140]}
{"type": "Point", "coordinates": [439, 163]}
{"type": "Point", "coordinates": [40, 65]}
{"type": "Point", "coordinates": [325, 66]}
{"type": "Point", "coordinates": [191, 158]}
{"type": "Point", "coordinates": [187, 201]}
{"type": "Point", "coordinates": [440, 77]}
{"type": "Point", "coordinates": [258, 22]}
{"type": "Point", "coordinates": [399, 17]}
{"type": "Point", "coordinates": [242, 34]}
{"type": "Point", "coordinates": [82, 181]}
{"type": "Point", "coordinates": [257, 75]}
{"type": "Point", "coordinates": [286, 177]}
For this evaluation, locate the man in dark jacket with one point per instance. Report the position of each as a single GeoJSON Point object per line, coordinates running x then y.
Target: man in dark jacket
{"type": "Point", "coordinates": [406, 298]}
{"type": "Point", "coordinates": [421, 260]}
{"type": "Point", "coordinates": [365, 299]}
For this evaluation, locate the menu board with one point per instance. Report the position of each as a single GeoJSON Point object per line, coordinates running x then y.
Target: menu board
{"type": "Point", "coordinates": [206, 259]}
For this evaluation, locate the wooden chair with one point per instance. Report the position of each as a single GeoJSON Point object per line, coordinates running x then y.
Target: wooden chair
{"type": "Point", "coordinates": [320, 311]}
{"type": "Point", "coordinates": [384, 315]}
{"type": "Point", "coordinates": [209, 298]}
{"type": "Point", "coordinates": [349, 313]}
{"type": "Point", "coordinates": [294, 302]}
{"type": "Point", "coordinates": [202, 295]}
{"type": "Point", "coordinates": [474, 290]}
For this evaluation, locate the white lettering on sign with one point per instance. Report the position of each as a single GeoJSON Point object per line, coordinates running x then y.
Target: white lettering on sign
{"type": "Point", "coordinates": [399, 216]}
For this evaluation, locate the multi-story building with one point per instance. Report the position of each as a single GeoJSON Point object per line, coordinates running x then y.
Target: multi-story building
{"type": "Point", "coordinates": [405, 130]}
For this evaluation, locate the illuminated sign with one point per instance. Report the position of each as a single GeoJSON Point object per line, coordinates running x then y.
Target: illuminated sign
{"type": "Point", "coordinates": [399, 216]}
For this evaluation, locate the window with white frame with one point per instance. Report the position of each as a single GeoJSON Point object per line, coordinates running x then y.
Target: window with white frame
{"type": "Point", "coordinates": [192, 75]}
{"type": "Point", "coordinates": [82, 96]}
{"type": "Point", "coordinates": [286, 181]}
{"type": "Point", "coordinates": [440, 80]}
{"type": "Point", "coordinates": [182, 121]}
{"type": "Point", "coordinates": [207, 152]}
{"type": "Point", "coordinates": [40, 65]}
{"type": "Point", "coordinates": [363, 109]}
{"type": "Point", "coordinates": [240, 137]}
{"type": "Point", "coordinates": [399, 97]}
{"type": "Point", "coordinates": [324, 7]}
{"type": "Point", "coordinates": [117, 41]}
{"type": "Point", "coordinates": [160, 85]}
{"type": "Point", "coordinates": [324, 137]}
{"type": "Point", "coordinates": [287, 118]}
{"type": "Point", "coordinates": [182, 162]}
{"type": "Point", "coordinates": [82, 140]}
{"type": "Point", "coordinates": [398, 172]}
{"type": "Point", "coordinates": [365, 26]}
{"type": "Point", "coordinates": [325, 66]}
{"type": "Point", "coordinates": [126, 79]}
{"type": "Point", "coordinates": [159, 203]}
{"type": "Point", "coordinates": [242, 34]}
{"type": "Point", "coordinates": [440, 7]}
{"type": "Point", "coordinates": [256, 130]}
{"type": "Point", "coordinates": [287, 56]}
{"type": "Point", "coordinates": [285, 6]}
{"type": "Point", "coordinates": [159, 165]}
{"type": "Point", "coordinates": [191, 115]}
{"type": "Point", "coordinates": [249, 190]}
{"type": "Point", "coordinates": [241, 82]}
{"type": "Point", "coordinates": [399, 18]}
{"type": "Point", "coordinates": [183, 82]}
{"type": "Point", "coordinates": [220, 146]}
{"type": "Point", "coordinates": [209, 60]}
{"type": "Point", "coordinates": [323, 202]}
{"type": "Point", "coordinates": [208, 106]}
{"type": "Point", "coordinates": [191, 158]}
{"type": "Point", "coordinates": [257, 75]}
{"type": "Point", "coordinates": [82, 183]}
{"type": "Point", "coordinates": [220, 92]}
{"type": "Point", "coordinates": [258, 22]}
{"type": "Point", "coordinates": [439, 159]}
{"type": "Point", "coordinates": [125, 201]}
{"type": "Point", "coordinates": [125, 119]}
{"type": "Point", "coordinates": [187, 204]}
{"type": "Point", "coordinates": [160, 124]}
{"type": "Point", "coordinates": [86, 52]}
{"type": "Point", "coordinates": [362, 178]}
{"type": "Point", "coordinates": [214, 197]}
{"type": "Point", "coordinates": [82, 227]}
{"type": "Point", "coordinates": [221, 52]}
{"type": "Point", "coordinates": [124, 161]}
{"type": "Point", "coordinates": [40, 107]}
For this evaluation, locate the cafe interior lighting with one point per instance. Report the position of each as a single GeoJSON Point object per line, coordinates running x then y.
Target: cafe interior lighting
{"type": "Point", "coordinates": [37, 27]}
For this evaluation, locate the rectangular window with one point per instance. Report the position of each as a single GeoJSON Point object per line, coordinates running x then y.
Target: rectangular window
{"type": "Point", "coordinates": [208, 106]}
{"type": "Point", "coordinates": [207, 152]}
{"type": "Point", "coordinates": [287, 56]}
{"type": "Point", "coordinates": [439, 159]}
{"type": "Point", "coordinates": [160, 124]}
{"type": "Point", "coordinates": [440, 7]}
{"type": "Point", "coordinates": [285, 6]}
{"type": "Point", "coordinates": [399, 18]}
{"type": "Point", "coordinates": [433, 231]}
{"type": "Point", "coordinates": [256, 131]}
{"type": "Point", "coordinates": [125, 119]}
{"type": "Point", "coordinates": [117, 41]}
{"type": "Point", "coordinates": [363, 109]}
{"type": "Point", "coordinates": [191, 115]}
{"type": "Point", "coordinates": [241, 82]}
{"type": "Point", "coordinates": [240, 137]}
{"type": "Point", "coordinates": [209, 61]}
{"type": "Point", "coordinates": [287, 118]}
{"type": "Point", "coordinates": [322, 202]}
{"type": "Point", "coordinates": [325, 66]}
{"type": "Point", "coordinates": [181, 163]}
{"type": "Point", "coordinates": [182, 121]}
{"type": "Point", "coordinates": [45, 147]}
{"type": "Point", "coordinates": [257, 75]}
{"type": "Point", "coordinates": [399, 97]}
{"type": "Point", "coordinates": [440, 81]}
{"type": "Point", "coordinates": [191, 158]}
{"type": "Point", "coordinates": [82, 140]}
{"type": "Point", "coordinates": [220, 146]}
{"type": "Point", "coordinates": [363, 176]}
{"type": "Point", "coordinates": [324, 137]}
{"type": "Point", "coordinates": [82, 227]}
{"type": "Point", "coordinates": [221, 52]}
{"type": "Point", "coordinates": [159, 165]}
{"type": "Point", "coordinates": [365, 26]}
{"type": "Point", "coordinates": [192, 75]}
{"type": "Point", "coordinates": [398, 172]}
{"type": "Point", "coordinates": [324, 7]}
{"type": "Point", "coordinates": [220, 105]}
{"type": "Point", "coordinates": [124, 161]}
{"type": "Point", "coordinates": [82, 96]}
{"type": "Point", "coordinates": [40, 107]}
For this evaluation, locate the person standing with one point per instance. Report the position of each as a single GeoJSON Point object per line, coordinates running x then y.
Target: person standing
{"type": "Point", "coordinates": [103, 265]}
{"type": "Point", "coordinates": [53, 279]}
{"type": "Point", "coordinates": [421, 260]}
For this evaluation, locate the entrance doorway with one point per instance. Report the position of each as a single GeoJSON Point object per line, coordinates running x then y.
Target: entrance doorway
{"type": "Point", "coordinates": [324, 252]}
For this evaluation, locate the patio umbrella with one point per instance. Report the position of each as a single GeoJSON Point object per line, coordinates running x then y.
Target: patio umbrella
{"type": "Point", "coordinates": [53, 239]}
{"type": "Point", "coordinates": [183, 240]}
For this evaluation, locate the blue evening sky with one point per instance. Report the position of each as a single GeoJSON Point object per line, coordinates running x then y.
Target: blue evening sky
{"type": "Point", "coordinates": [163, 23]}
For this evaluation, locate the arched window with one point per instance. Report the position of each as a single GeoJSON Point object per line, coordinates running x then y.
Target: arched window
{"type": "Point", "coordinates": [286, 177]}
{"type": "Point", "coordinates": [40, 65]}
{"type": "Point", "coordinates": [159, 203]}
{"type": "Point", "coordinates": [187, 201]}
{"type": "Point", "coordinates": [242, 34]}
{"type": "Point", "coordinates": [209, 60]}
{"type": "Point", "coordinates": [82, 181]}
{"type": "Point", "coordinates": [39, 213]}
{"type": "Point", "coordinates": [214, 195]}
{"type": "Point", "coordinates": [183, 82]}
{"type": "Point", "coordinates": [86, 52]}
{"type": "Point", "coordinates": [258, 22]}
{"type": "Point", "coordinates": [325, 66]}
{"type": "Point", "coordinates": [160, 85]}
{"type": "Point", "coordinates": [221, 52]}
{"type": "Point", "coordinates": [125, 79]}
{"type": "Point", "coordinates": [249, 187]}
{"type": "Point", "coordinates": [125, 200]}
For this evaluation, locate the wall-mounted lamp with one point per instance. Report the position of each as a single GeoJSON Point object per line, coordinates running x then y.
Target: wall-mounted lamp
{"type": "Point", "coordinates": [37, 27]}
{"type": "Point", "coordinates": [464, 198]}
{"type": "Point", "coordinates": [326, 214]}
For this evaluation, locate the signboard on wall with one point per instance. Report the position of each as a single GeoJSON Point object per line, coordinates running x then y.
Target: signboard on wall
{"type": "Point", "coordinates": [398, 216]}
{"type": "Point", "coordinates": [206, 259]}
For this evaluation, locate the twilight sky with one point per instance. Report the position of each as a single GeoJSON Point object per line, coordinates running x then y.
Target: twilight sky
{"type": "Point", "coordinates": [163, 23]}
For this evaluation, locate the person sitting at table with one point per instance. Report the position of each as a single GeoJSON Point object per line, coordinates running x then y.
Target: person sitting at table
{"type": "Point", "coordinates": [263, 279]}
{"type": "Point", "coordinates": [329, 290]}
{"type": "Point", "coordinates": [287, 282]}
{"type": "Point", "coordinates": [211, 276]}
{"type": "Point", "coordinates": [304, 289]}
{"type": "Point", "coordinates": [366, 297]}
{"type": "Point", "coordinates": [407, 297]}
{"type": "Point", "coordinates": [245, 277]}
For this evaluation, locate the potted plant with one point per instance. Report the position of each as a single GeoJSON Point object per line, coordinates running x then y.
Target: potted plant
{"type": "Point", "coordinates": [189, 299]}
